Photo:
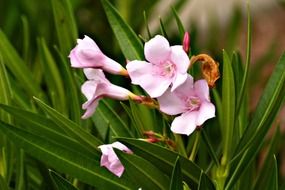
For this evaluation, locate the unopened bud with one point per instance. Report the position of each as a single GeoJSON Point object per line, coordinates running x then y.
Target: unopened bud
{"type": "Point", "coordinates": [186, 42]}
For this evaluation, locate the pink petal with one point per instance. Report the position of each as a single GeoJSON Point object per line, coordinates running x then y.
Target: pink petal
{"type": "Point", "coordinates": [185, 124]}
{"type": "Point", "coordinates": [138, 70]}
{"type": "Point", "coordinates": [180, 58]}
{"type": "Point", "coordinates": [170, 103]}
{"type": "Point", "coordinates": [88, 42]}
{"type": "Point", "coordinates": [116, 168]}
{"type": "Point", "coordinates": [157, 49]}
{"type": "Point", "coordinates": [179, 80]}
{"type": "Point", "coordinates": [121, 147]}
{"type": "Point", "coordinates": [112, 66]}
{"type": "Point", "coordinates": [115, 92]}
{"type": "Point", "coordinates": [141, 73]}
{"type": "Point", "coordinates": [88, 89]}
{"type": "Point", "coordinates": [206, 111]}
{"type": "Point", "coordinates": [95, 74]}
{"type": "Point", "coordinates": [202, 89]}
{"type": "Point", "coordinates": [90, 108]}
{"type": "Point", "coordinates": [185, 89]}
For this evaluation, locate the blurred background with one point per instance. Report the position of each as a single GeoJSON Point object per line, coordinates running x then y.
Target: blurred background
{"type": "Point", "coordinates": [213, 25]}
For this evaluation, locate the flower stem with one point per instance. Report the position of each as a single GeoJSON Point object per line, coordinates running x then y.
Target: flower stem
{"type": "Point", "coordinates": [195, 146]}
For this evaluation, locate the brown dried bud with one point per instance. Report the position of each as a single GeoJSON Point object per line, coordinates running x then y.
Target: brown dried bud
{"type": "Point", "coordinates": [210, 68]}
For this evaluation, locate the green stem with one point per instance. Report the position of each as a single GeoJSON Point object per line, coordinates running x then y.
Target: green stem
{"type": "Point", "coordinates": [195, 146]}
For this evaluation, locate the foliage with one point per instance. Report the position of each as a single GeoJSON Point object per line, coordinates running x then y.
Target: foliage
{"type": "Point", "coordinates": [45, 145]}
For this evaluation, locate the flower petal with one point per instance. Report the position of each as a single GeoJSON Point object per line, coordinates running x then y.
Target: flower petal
{"type": "Point", "coordinates": [90, 108]}
{"type": "Point", "coordinates": [206, 111]}
{"type": "Point", "coordinates": [180, 58]}
{"type": "Point", "coordinates": [170, 103]}
{"type": "Point", "coordinates": [157, 49]}
{"type": "Point", "coordinates": [185, 89]}
{"type": "Point", "coordinates": [95, 74]}
{"type": "Point", "coordinates": [141, 73]}
{"type": "Point", "coordinates": [88, 89]}
{"type": "Point", "coordinates": [179, 80]}
{"type": "Point", "coordinates": [202, 90]}
{"type": "Point", "coordinates": [121, 147]}
{"type": "Point", "coordinates": [185, 124]}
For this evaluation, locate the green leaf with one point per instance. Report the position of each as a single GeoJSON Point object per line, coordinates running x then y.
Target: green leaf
{"type": "Point", "coordinates": [162, 28]}
{"type": "Point", "coordinates": [129, 42]}
{"type": "Point", "coordinates": [3, 184]}
{"type": "Point", "coordinates": [65, 159]}
{"type": "Point", "coordinates": [17, 67]}
{"type": "Point", "coordinates": [210, 147]}
{"type": "Point", "coordinates": [72, 97]}
{"type": "Point", "coordinates": [176, 177]}
{"type": "Point", "coordinates": [71, 128]}
{"type": "Point", "coordinates": [117, 125]}
{"type": "Point", "coordinates": [164, 159]}
{"type": "Point", "coordinates": [179, 24]}
{"type": "Point", "coordinates": [52, 76]}
{"type": "Point", "coordinates": [266, 111]}
{"type": "Point", "coordinates": [205, 183]}
{"type": "Point", "coordinates": [60, 182]}
{"type": "Point", "coordinates": [246, 69]}
{"type": "Point", "coordinates": [44, 127]}
{"type": "Point", "coordinates": [5, 90]}
{"type": "Point", "coordinates": [268, 163]}
{"type": "Point", "coordinates": [64, 24]}
{"type": "Point", "coordinates": [147, 176]}
{"type": "Point", "coordinates": [20, 171]}
{"type": "Point", "coordinates": [228, 107]}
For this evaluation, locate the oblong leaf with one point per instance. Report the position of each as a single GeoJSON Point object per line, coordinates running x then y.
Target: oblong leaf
{"type": "Point", "coordinates": [60, 182]}
{"type": "Point", "coordinates": [164, 159]}
{"type": "Point", "coordinates": [147, 175]}
{"type": "Point", "coordinates": [65, 159]}
{"type": "Point", "coordinates": [129, 42]}
{"type": "Point", "coordinates": [266, 111]}
{"type": "Point", "coordinates": [176, 177]}
{"type": "Point", "coordinates": [70, 127]}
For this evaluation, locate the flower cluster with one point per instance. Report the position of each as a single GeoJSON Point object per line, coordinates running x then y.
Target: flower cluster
{"type": "Point", "coordinates": [163, 76]}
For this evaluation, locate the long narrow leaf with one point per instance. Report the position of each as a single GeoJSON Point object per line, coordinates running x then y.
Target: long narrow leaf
{"type": "Point", "coordinates": [128, 40]}
{"type": "Point", "coordinates": [52, 76]}
{"type": "Point", "coordinates": [147, 175]}
{"type": "Point", "coordinates": [266, 111]}
{"type": "Point", "coordinates": [164, 159]}
{"type": "Point", "coordinates": [16, 65]}
{"type": "Point", "coordinates": [64, 24]}
{"type": "Point", "coordinates": [60, 182]}
{"type": "Point", "coordinates": [70, 127]}
{"type": "Point", "coordinates": [176, 177]}
{"type": "Point", "coordinates": [64, 159]}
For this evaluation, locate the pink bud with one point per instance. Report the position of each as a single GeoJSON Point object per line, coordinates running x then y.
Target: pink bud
{"type": "Point", "coordinates": [186, 42]}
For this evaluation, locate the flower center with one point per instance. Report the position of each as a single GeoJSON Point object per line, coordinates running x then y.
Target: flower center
{"type": "Point", "coordinates": [167, 69]}
{"type": "Point", "coordinates": [193, 103]}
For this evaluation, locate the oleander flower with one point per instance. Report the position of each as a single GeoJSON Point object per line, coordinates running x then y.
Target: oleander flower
{"type": "Point", "coordinates": [110, 160]}
{"type": "Point", "coordinates": [87, 54]}
{"type": "Point", "coordinates": [97, 87]}
{"type": "Point", "coordinates": [190, 99]}
{"type": "Point", "coordinates": [167, 66]}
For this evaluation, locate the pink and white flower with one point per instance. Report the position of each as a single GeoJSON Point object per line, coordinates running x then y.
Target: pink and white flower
{"type": "Point", "coordinates": [87, 54]}
{"type": "Point", "coordinates": [110, 160]}
{"type": "Point", "coordinates": [167, 66]}
{"type": "Point", "coordinates": [190, 99]}
{"type": "Point", "coordinates": [97, 87]}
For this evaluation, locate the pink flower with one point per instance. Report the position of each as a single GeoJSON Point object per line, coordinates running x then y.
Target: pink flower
{"type": "Point", "coordinates": [167, 66]}
{"type": "Point", "coordinates": [97, 86]}
{"type": "Point", "coordinates": [110, 160]}
{"type": "Point", "coordinates": [87, 54]}
{"type": "Point", "coordinates": [192, 100]}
